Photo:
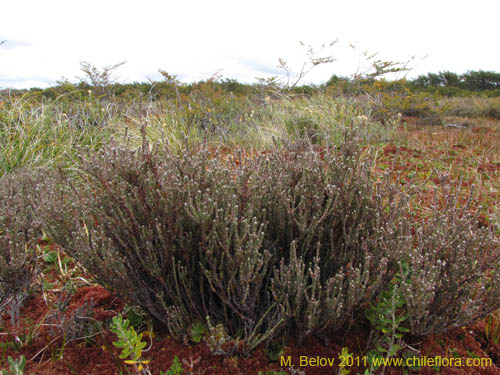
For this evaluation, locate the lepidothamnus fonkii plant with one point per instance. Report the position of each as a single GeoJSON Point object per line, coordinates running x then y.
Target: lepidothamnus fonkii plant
{"type": "Point", "coordinates": [241, 242]}
{"type": "Point", "coordinates": [455, 266]}
{"type": "Point", "coordinates": [295, 241]}
{"type": "Point", "coordinates": [19, 231]}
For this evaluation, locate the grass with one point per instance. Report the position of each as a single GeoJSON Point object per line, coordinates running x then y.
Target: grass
{"type": "Point", "coordinates": [42, 135]}
{"type": "Point", "coordinates": [258, 126]}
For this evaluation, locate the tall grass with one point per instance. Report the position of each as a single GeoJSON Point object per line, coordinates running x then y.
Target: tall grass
{"type": "Point", "coordinates": [36, 132]}
{"type": "Point", "coordinates": [43, 135]}
{"type": "Point", "coordinates": [260, 125]}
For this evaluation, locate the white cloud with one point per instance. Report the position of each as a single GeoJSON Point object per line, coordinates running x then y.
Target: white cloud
{"type": "Point", "coordinates": [245, 39]}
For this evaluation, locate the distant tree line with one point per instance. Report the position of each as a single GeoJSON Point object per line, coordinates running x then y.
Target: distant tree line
{"type": "Point", "coordinates": [472, 80]}
{"type": "Point", "coordinates": [446, 83]}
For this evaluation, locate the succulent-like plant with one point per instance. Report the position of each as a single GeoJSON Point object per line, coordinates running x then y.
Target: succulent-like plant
{"type": "Point", "coordinates": [130, 343]}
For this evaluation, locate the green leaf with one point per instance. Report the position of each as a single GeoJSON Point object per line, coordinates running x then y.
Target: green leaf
{"type": "Point", "coordinates": [124, 354]}
{"type": "Point", "coordinates": [198, 330]}
{"type": "Point", "coordinates": [393, 350]}
{"type": "Point", "coordinates": [50, 257]}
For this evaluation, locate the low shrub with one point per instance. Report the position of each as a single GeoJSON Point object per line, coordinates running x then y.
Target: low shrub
{"type": "Point", "coordinates": [408, 103]}
{"type": "Point", "coordinates": [290, 240]}
{"type": "Point", "coordinates": [20, 228]}
{"type": "Point", "coordinates": [295, 241]}
{"type": "Point", "coordinates": [454, 268]}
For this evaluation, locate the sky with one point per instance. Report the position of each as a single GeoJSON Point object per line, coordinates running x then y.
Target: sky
{"type": "Point", "coordinates": [45, 41]}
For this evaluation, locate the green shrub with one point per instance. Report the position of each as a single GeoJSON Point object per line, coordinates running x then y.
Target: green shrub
{"type": "Point", "coordinates": [406, 102]}
{"type": "Point", "coordinates": [195, 237]}
{"type": "Point", "coordinates": [295, 241]}
{"type": "Point", "coordinates": [454, 268]}
{"type": "Point", "coordinates": [19, 231]}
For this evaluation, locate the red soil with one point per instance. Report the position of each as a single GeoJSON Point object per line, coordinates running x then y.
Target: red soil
{"type": "Point", "coordinates": [101, 358]}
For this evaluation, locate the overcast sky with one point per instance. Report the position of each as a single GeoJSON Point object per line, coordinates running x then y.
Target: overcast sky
{"type": "Point", "coordinates": [47, 40]}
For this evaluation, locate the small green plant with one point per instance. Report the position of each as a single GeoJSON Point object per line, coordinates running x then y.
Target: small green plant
{"type": "Point", "coordinates": [135, 315]}
{"type": "Point", "coordinates": [16, 366]}
{"type": "Point", "coordinates": [130, 343]}
{"type": "Point", "coordinates": [49, 256]}
{"type": "Point", "coordinates": [175, 368]}
{"type": "Point", "coordinates": [436, 369]}
{"type": "Point", "coordinates": [217, 339]}
{"type": "Point", "coordinates": [198, 331]}
{"type": "Point", "coordinates": [386, 318]}
{"type": "Point", "coordinates": [274, 351]}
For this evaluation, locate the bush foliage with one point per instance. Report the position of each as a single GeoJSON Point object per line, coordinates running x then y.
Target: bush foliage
{"type": "Point", "coordinates": [454, 268]}
{"type": "Point", "coordinates": [20, 228]}
{"type": "Point", "coordinates": [295, 240]}
{"type": "Point", "coordinates": [195, 236]}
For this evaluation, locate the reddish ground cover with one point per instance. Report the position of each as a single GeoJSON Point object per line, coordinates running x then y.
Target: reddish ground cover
{"type": "Point", "coordinates": [101, 358]}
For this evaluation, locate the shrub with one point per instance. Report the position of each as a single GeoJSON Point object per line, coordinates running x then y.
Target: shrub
{"type": "Point", "coordinates": [158, 227]}
{"type": "Point", "coordinates": [326, 218]}
{"type": "Point", "coordinates": [297, 240]}
{"type": "Point", "coordinates": [19, 231]}
{"type": "Point", "coordinates": [196, 237]}
{"type": "Point", "coordinates": [454, 268]}
{"type": "Point", "coordinates": [408, 103]}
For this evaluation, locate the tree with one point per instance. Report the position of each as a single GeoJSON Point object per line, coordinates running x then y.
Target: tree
{"type": "Point", "coordinates": [481, 80]}
{"type": "Point", "coordinates": [101, 79]}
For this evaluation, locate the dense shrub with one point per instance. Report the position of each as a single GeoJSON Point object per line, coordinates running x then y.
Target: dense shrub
{"type": "Point", "coordinates": [296, 241]}
{"type": "Point", "coordinates": [19, 231]}
{"type": "Point", "coordinates": [397, 97]}
{"type": "Point", "coordinates": [196, 236]}
{"type": "Point", "coordinates": [454, 267]}
{"type": "Point", "coordinates": [327, 223]}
